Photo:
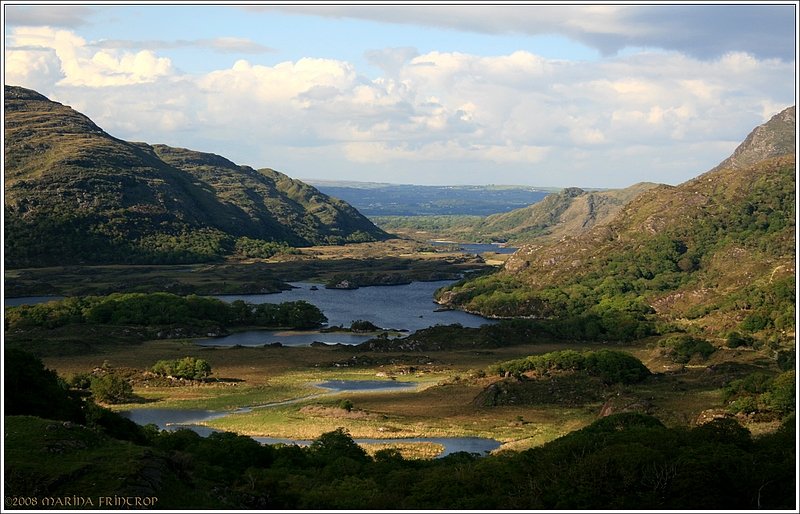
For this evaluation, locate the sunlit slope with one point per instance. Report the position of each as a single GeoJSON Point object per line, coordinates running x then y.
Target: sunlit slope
{"type": "Point", "coordinates": [716, 251]}
{"type": "Point", "coordinates": [568, 212]}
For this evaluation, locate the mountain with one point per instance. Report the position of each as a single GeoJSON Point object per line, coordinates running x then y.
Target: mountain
{"type": "Point", "coordinates": [715, 253]}
{"type": "Point", "coordinates": [75, 194]}
{"type": "Point", "coordinates": [774, 138]}
{"type": "Point", "coordinates": [567, 212]}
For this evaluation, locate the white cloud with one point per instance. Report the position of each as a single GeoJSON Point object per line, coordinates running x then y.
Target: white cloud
{"type": "Point", "coordinates": [449, 115]}
{"type": "Point", "coordinates": [80, 65]}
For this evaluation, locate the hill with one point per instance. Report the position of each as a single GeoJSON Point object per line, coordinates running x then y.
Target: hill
{"type": "Point", "coordinates": [714, 254]}
{"type": "Point", "coordinates": [568, 212]}
{"type": "Point", "coordinates": [75, 194]}
{"type": "Point", "coordinates": [565, 212]}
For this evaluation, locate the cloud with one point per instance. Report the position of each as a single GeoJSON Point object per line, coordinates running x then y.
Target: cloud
{"type": "Point", "coordinates": [79, 64]}
{"type": "Point", "coordinates": [701, 31]}
{"type": "Point", "coordinates": [231, 45]}
{"type": "Point", "coordinates": [446, 117]}
{"type": "Point", "coordinates": [63, 16]}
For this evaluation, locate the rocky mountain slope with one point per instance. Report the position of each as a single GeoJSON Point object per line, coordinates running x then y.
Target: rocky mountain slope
{"type": "Point", "coordinates": [716, 252]}
{"type": "Point", "coordinates": [568, 212]}
{"type": "Point", "coordinates": [75, 194]}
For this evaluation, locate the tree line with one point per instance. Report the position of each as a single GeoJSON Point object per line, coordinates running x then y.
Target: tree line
{"type": "Point", "coordinates": [150, 309]}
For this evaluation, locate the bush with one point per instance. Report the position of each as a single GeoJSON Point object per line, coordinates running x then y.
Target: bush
{"type": "Point", "coordinates": [111, 388]}
{"type": "Point", "coordinates": [337, 444]}
{"type": "Point", "coordinates": [31, 389]}
{"type": "Point", "coordinates": [682, 348]}
{"type": "Point", "coordinates": [735, 340]}
{"type": "Point", "coordinates": [361, 325]}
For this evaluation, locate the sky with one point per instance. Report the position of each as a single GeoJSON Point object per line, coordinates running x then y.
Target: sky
{"type": "Point", "coordinates": [551, 95]}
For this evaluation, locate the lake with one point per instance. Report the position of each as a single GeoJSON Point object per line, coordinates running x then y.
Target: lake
{"type": "Point", "coordinates": [477, 248]}
{"type": "Point", "coordinates": [407, 306]}
{"type": "Point", "coordinates": [29, 300]}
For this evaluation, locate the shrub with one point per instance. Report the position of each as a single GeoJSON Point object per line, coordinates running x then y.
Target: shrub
{"type": "Point", "coordinates": [735, 340]}
{"type": "Point", "coordinates": [682, 348]}
{"type": "Point", "coordinates": [610, 365]}
{"type": "Point", "coordinates": [111, 388]}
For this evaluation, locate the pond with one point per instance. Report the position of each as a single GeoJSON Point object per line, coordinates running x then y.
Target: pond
{"type": "Point", "coordinates": [365, 385]}
{"type": "Point", "coordinates": [174, 419]}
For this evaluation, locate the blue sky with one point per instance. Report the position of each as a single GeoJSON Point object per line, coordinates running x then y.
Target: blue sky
{"type": "Point", "coordinates": [594, 95]}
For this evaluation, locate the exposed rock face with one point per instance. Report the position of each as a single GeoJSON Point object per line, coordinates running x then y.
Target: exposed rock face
{"type": "Point", "coordinates": [775, 137]}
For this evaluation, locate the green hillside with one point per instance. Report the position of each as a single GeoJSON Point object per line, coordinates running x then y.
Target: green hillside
{"type": "Point", "coordinates": [714, 254]}
{"type": "Point", "coordinates": [76, 195]}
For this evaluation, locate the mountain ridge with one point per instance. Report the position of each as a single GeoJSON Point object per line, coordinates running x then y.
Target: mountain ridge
{"type": "Point", "coordinates": [106, 200]}
{"type": "Point", "coordinates": [694, 254]}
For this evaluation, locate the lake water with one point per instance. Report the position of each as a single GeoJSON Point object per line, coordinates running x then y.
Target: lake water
{"type": "Point", "coordinates": [29, 300]}
{"type": "Point", "coordinates": [285, 337]}
{"type": "Point", "coordinates": [479, 445]}
{"type": "Point", "coordinates": [477, 248]}
{"type": "Point", "coordinates": [365, 385]}
{"type": "Point", "coordinates": [408, 306]}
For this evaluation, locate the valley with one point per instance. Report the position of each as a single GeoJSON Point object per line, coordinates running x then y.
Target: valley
{"type": "Point", "coordinates": [638, 341]}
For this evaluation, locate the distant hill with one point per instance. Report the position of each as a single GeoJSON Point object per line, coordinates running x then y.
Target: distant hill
{"type": "Point", "coordinates": [716, 252]}
{"type": "Point", "coordinates": [75, 194]}
{"type": "Point", "coordinates": [566, 212]}
{"type": "Point", "coordinates": [379, 199]}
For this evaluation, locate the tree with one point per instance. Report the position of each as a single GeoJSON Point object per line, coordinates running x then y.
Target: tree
{"type": "Point", "coordinates": [338, 443]}
{"type": "Point", "coordinates": [187, 367]}
{"type": "Point", "coordinates": [111, 388]}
